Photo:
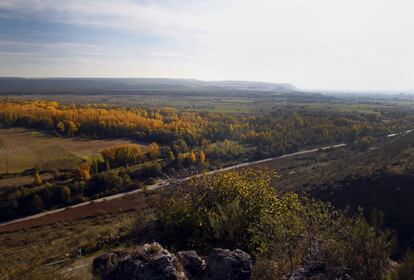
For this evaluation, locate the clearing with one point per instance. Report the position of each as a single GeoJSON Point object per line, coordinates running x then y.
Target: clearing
{"type": "Point", "coordinates": [22, 149]}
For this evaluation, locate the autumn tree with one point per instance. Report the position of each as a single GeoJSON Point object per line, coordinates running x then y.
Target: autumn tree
{"type": "Point", "coordinates": [71, 128]}
{"type": "Point", "coordinates": [192, 157]}
{"type": "Point", "coordinates": [121, 155]}
{"type": "Point", "coordinates": [153, 150]}
{"type": "Point", "coordinates": [223, 136]}
{"type": "Point", "coordinates": [60, 127]}
{"type": "Point", "coordinates": [37, 178]}
{"type": "Point", "coordinates": [201, 157]}
{"type": "Point", "coordinates": [84, 171]}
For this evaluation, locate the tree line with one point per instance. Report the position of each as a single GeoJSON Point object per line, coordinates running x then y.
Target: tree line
{"type": "Point", "coordinates": [270, 134]}
{"type": "Point", "coordinates": [179, 143]}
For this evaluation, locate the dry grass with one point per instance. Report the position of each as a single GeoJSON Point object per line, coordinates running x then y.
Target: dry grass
{"type": "Point", "coordinates": [28, 253]}
{"type": "Point", "coordinates": [22, 180]}
{"type": "Point", "coordinates": [85, 148]}
{"type": "Point", "coordinates": [22, 149]}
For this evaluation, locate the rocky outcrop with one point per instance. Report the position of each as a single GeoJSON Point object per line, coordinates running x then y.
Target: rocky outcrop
{"type": "Point", "coordinates": [224, 264]}
{"type": "Point", "coordinates": [192, 263]}
{"type": "Point", "coordinates": [317, 271]}
{"type": "Point", "coordinates": [152, 262]}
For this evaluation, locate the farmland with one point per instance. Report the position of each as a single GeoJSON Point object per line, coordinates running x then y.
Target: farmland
{"type": "Point", "coordinates": [255, 104]}
{"type": "Point", "coordinates": [22, 149]}
{"type": "Point", "coordinates": [184, 135]}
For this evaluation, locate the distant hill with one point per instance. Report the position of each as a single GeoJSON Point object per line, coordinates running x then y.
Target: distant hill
{"type": "Point", "coordinates": [130, 85]}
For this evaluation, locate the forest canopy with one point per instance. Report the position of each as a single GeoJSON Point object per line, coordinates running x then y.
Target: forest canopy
{"type": "Point", "coordinates": [270, 134]}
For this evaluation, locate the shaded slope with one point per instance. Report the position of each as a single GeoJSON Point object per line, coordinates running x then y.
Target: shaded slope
{"type": "Point", "coordinates": [380, 181]}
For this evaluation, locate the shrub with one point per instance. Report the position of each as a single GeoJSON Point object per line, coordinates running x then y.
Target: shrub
{"type": "Point", "coordinates": [241, 209]}
{"type": "Point", "coordinates": [406, 270]}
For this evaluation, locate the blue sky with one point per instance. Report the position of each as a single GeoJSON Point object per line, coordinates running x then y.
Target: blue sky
{"type": "Point", "coordinates": [318, 44]}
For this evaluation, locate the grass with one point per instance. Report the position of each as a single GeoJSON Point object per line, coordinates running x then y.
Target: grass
{"type": "Point", "coordinates": [255, 103]}
{"type": "Point", "coordinates": [301, 172]}
{"type": "Point", "coordinates": [16, 181]}
{"type": "Point", "coordinates": [22, 149]}
{"type": "Point", "coordinates": [29, 252]}
{"type": "Point", "coordinates": [86, 148]}
{"type": "Point", "coordinates": [26, 253]}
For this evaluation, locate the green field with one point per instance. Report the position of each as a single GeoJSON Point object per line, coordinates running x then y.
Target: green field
{"type": "Point", "coordinates": [255, 104]}
{"type": "Point", "coordinates": [22, 149]}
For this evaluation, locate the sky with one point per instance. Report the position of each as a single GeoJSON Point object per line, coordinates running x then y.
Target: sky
{"type": "Point", "coordinates": [313, 44]}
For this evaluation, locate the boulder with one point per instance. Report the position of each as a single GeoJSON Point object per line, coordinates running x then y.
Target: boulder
{"type": "Point", "coordinates": [224, 264]}
{"type": "Point", "coordinates": [192, 263]}
{"type": "Point", "coordinates": [317, 271]}
{"type": "Point", "coordinates": [105, 264]}
{"type": "Point", "coordinates": [152, 262]}
{"type": "Point", "coordinates": [164, 267]}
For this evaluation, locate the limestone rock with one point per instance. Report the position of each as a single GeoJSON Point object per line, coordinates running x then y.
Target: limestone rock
{"type": "Point", "coordinates": [224, 264]}
{"type": "Point", "coordinates": [152, 262]}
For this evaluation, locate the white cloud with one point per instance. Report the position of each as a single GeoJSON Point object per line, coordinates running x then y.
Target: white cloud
{"type": "Point", "coordinates": [350, 44]}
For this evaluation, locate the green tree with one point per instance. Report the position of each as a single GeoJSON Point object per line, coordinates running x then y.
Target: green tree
{"type": "Point", "coordinates": [95, 166]}
{"type": "Point", "coordinates": [36, 204]}
{"type": "Point", "coordinates": [170, 156]}
{"type": "Point", "coordinates": [62, 195]}
{"type": "Point", "coordinates": [190, 217]}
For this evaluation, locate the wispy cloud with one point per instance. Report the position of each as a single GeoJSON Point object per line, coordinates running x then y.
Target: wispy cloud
{"type": "Point", "coordinates": [50, 50]}
{"type": "Point", "coordinates": [176, 18]}
{"type": "Point", "coordinates": [173, 55]}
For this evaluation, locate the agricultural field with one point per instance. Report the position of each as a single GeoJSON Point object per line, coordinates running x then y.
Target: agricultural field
{"type": "Point", "coordinates": [240, 104]}
{"type": "Point", "coordinates": [22, 149]}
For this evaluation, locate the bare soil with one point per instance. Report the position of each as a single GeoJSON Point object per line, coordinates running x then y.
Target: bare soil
{"type": "Point", "coordinates": [90, 210]}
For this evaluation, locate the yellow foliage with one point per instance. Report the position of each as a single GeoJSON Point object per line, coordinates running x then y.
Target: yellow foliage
{"type": "Point", "coordinates": [154, 149]}
{"type": "Point", "coordinates": [202, 156]}
{"type": "Point", "coordinates": [37, 178]}
{"type": "Point", "coordinates": [192, 157]}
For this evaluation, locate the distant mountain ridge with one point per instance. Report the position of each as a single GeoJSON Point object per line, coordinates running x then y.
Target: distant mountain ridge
{"type": "Point", "coordinates": [52, 85]}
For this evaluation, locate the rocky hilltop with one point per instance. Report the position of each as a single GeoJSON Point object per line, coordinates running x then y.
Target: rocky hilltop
{"type": "Point", "coordinates": [153, 262]}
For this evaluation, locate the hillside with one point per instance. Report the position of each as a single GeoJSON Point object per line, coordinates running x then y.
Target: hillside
{"type": "Point", "coordinates": [131, 85]}
{"type": "Point", "coordinates": [381, 181]}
